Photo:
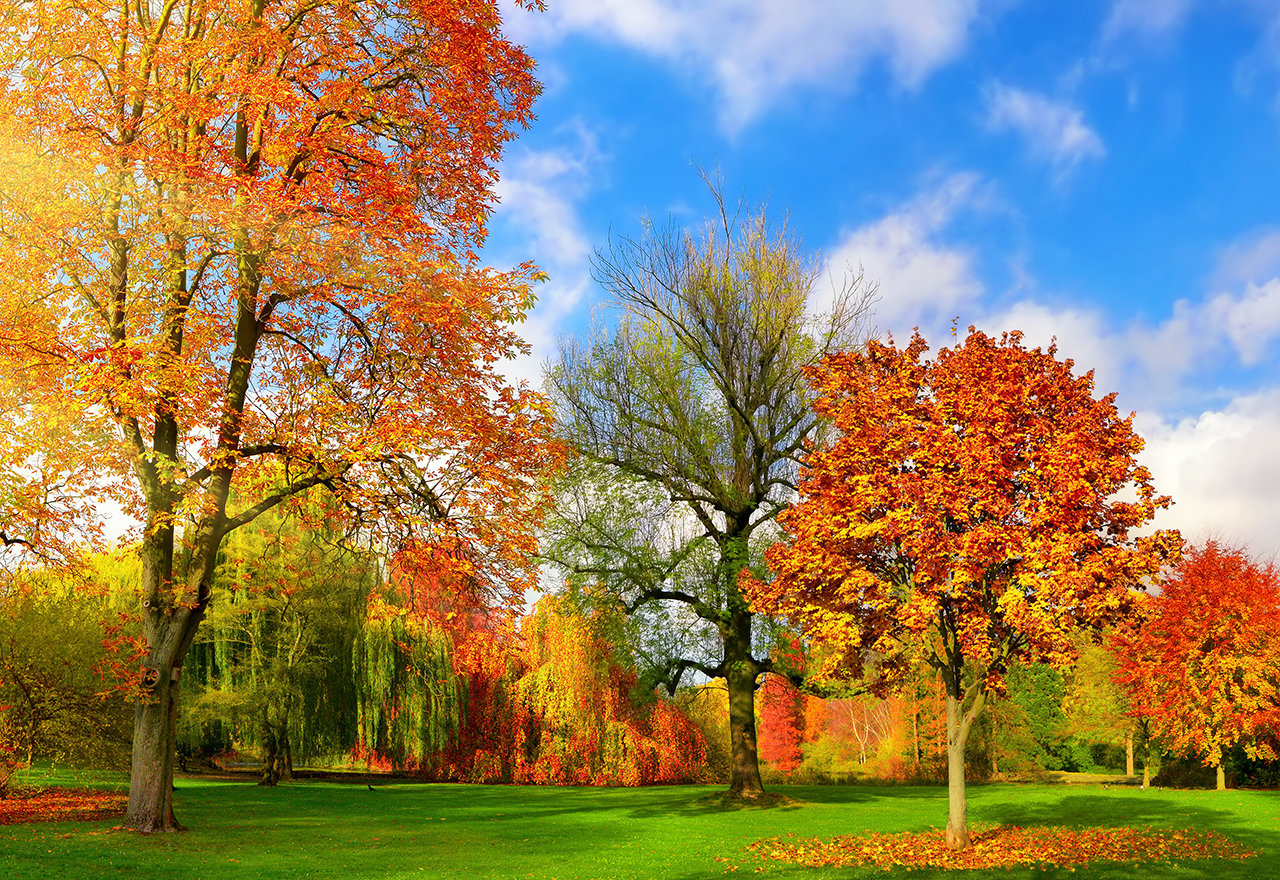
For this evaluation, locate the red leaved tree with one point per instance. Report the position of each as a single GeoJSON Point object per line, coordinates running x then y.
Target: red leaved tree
{"type": "Point", "coordinates": [782, 710]}
{"type": "Point", "coordinates": [240, 245]}
{"type": "Point", "coordinates": [781, 728]}
{"type": "Point", "coordinates": [575, 721]}
{"type": "Point", "coordinates": [1203, 667]}
{"type": "Point", "coordinates": [965, 514]}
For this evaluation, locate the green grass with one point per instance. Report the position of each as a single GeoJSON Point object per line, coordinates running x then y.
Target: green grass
{"type": "Point", "coordinates": [336, 830]}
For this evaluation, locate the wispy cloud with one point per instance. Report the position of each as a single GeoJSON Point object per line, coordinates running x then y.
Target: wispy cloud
{"type": "Point", "coordinates": [1145, 18]}
{"type": "Point", "coordinates": [540, 192]}
{"type": "Point", "coordinates": [757, 53]}
{"type": "Point", "coordinates": [923, 279]}
{"type": "Point", "coordinates": [1055, 132]}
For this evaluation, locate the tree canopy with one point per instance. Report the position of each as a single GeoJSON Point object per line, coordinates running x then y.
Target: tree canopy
{"type": "Point", "coordinates": [967, 512]}
{"type": "Point", "coordinates": [1203, 666]}
{"type": "Point", "coordinates": [688, 416]}
{"type": "Point", "coordinates": [241, 253]}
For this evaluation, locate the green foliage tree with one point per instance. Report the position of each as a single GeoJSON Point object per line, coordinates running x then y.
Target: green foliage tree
{"type": "Point", "coordinates": [410, 699]}
{"type": "Point", "coordinates": [1096, 708]}
{"type": "Point", "coordinates": [56, 696]}
{"type": "Point", "coordinates": [689, 415]}
{"type": "Point", "coordinates": [273, 666]}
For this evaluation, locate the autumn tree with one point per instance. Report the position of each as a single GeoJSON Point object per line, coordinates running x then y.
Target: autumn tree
{"type": "Point", "coordinates": [969, 511]}
{"type": "Point", "coordinates": [1203, 667]}
{"type": "Point", "coordinates": [689, 414]}
{"type": "Point", "coordinates": [1095, 706]}
{"type": "Point", "coordinates": [240, 244]}
{"type": "Point", "coordinates": [781, 727]}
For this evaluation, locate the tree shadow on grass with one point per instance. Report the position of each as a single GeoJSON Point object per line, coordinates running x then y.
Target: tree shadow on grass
{"type": "Point", "coordinates": [783, 798]}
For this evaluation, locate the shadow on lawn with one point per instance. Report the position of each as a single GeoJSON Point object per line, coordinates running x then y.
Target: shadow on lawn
{"type": "Point", "coordinates": [1157, 809]}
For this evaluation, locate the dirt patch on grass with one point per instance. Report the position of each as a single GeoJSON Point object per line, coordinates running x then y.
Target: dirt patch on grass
{"type": "Point", "coordinates": [723, 800]}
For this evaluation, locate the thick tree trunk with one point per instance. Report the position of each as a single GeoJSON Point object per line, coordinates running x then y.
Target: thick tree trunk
{"type": "Point", "coordinates": [744, 762]}
{"type": "Point", "coordinates": [957, 806]}
{"type": "Point", "coordinates": [1128, 753]}
{"type": "Point", "coordinates": [270, 753]}
{"type": "Point", "coordinates": [1222, 778]}
{"type": "Point", "coordinates": [169, 623]}
{"type": "Point", "coordinates": [151, 772]}
{"type": "Point", "coordinates": [741, 672]}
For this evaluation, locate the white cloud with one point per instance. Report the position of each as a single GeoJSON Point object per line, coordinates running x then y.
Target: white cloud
{"type": "Point", "coordinates": [1251, 320]}
{"type": "Point", "coordinates": [1150, 362]}
{"type": "Point", "coordinates": [1255, 257]}
{"type": "Point", "coordinates": [755, 53]}
{"type": "Point", "coordinates": [539, 192]}
{"type": "Point", "coordinates": [922, 279]}
{"type": "Point", "coordinates": [1222, 469]}
{"type": "Point", "coordinates": [1146, 18]}
{"type": "Point", "coordinates": [1055, 132]}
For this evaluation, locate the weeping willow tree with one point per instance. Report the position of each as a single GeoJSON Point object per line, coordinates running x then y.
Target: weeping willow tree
{"type": "Point", "coordinates": [411, 701]}
{"type": "Point", "coordinates": [272, 669]}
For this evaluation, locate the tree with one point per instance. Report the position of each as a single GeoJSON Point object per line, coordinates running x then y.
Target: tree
{"type": "Point", "coordinates": [781, 726]}
{"type": "Point", "coordinates": [1203, 667]}
{"type": "Point", "coordinates": [241, 242]}
{"type": "Point", "coordinates": [55, 701]}
{"type": "Point", "coordinates": [688, 416]}
{"type": "Point", "coordinates": [965, 513]}
{"type": "Point", "coordinates": [1095, 706]}
{"type": "Point", "coordinates": [272, 664]}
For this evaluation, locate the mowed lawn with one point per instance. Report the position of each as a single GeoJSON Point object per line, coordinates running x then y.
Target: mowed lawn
{"type": "Point", "coordinates": [337, 830]}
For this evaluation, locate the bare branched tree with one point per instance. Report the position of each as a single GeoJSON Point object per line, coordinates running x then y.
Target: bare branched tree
{"type": "Point", "coordinates": [690, 413]}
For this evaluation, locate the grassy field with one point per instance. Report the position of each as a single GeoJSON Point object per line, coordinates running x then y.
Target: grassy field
{"type": "Point", "coordinates": [337, 830]}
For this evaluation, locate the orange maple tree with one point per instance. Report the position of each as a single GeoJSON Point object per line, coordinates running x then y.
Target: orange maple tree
{"type": "Point", "coordinates": [1203, 666]}
{"type": "Point", "coordinates": [241, 248]}
{"type": "Point", "coordinates": [965, 514]}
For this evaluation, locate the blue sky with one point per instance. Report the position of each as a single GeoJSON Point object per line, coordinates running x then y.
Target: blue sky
{"type": "Point", "coordinates": [1106, 173]}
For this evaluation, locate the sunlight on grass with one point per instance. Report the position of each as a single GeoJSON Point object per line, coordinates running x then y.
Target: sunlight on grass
{"type": "Point", "coordinates": [323, 830]}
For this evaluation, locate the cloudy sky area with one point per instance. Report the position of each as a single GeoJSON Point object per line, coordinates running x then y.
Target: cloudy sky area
{"type": "Point", "coordinates": [1106, 173]}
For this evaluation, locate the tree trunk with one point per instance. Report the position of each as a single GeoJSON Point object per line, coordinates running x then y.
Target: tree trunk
{"type": "Point", "coordinates": [270, 752]}
{"type": "Point", "coordinates": [151, 772]}
{"type": "Point", "coordinates": [915, 735]}
{"type": "Point", "coordinates": [1128, 752]}
{"type": "Point", "coordinates": [959, 723]}
{"type": "Point", "coordinates": [741, 672]}
{"type": "Point", "coordinates": [744, 762]}
{"type": "Point", "coordinates": [1222, 778]}
{"type": "Point", "coordinates": [169, 623]}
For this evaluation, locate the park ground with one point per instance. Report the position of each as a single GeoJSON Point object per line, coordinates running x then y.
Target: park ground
{"type": "Point", "coordinates": [327, 829]}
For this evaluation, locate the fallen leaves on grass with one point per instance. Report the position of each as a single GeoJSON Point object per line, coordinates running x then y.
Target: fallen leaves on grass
{"type": "Point", "coordinates": [62, 805]}
{"type": "Point", "coordinates": [1003, 847]}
